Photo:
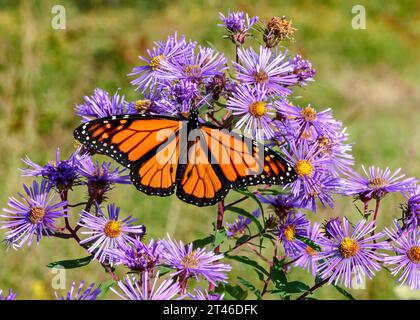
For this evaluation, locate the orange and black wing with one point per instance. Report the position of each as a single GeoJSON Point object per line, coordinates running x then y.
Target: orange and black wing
{"type": "Point", "coordinates": [218, 161]}
{"type": "Point", "coordinates": [147, 145]}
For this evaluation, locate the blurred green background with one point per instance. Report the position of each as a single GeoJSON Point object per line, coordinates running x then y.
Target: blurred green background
{"type": "Point", "coordinates": [368, 77]}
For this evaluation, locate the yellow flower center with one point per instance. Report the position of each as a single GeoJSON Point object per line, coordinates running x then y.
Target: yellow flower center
{"type": "Point", "coordinates": [414, 254]}
{"type": "Point", "coordinates": [36, 214]}
{"type": "Point", "coordinates": [142, 105]}
{"type": "Point", "coordinates": [258, 109]}
{"type": "Point", "coordinates": [289, 232]}
{"type": "Point", "coordinates": [377, 183]}
{"type": "Point", "coordinates": [155, 62]}
{"type": "Point", "coordinates": [309, 114]}
{"type": "Point", "coordinates": [261, 76]}
{"type": "Point", "coordinates": [304, 168]}
{"type": "Point", "coordinates": [190, 261]}
{"type": "Point", "coordinates": [113, 228]}
{"type": "Point", "coordinates": [311, 251]}
{"type": "Point", "coordinates": [348, 247]}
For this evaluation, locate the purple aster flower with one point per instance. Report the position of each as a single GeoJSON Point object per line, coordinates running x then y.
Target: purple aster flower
{"type": "Point", "coordinates": [90, 293]}
{"type": "Point", "coordinates": [323, 188]}
{"type": "Point", "coordinates": [33, 215]}
{"type": "Point", "coordinates": [237, 228]}
{"type": "Point", "coordinates": [307, 259]}
{"type": "Point", "coordinates": [163, 52]}
{"type": "Point", "coordinates": [9, 296]}
{"type": "Point", "coordinates": [138, 256]}
{"type": "Point", "coordinates": [204, 295]}
{"type": "Point", "coordinates": [199, 68]}
{"type": "Point", "coordinates": [253, 107]}
{"type": "Point", "coordinates": [148, 288]}
{"type": "Point", "coordinates": [309, 122]}
{"type": "Point", "coordinates": [185, 93]}
{"type": "Point", "coordinates": [328, 226]}
{"type": "Point", "coordinates": [281, 204]}
{"type": "Point", "coordinates": [106, 233]}
{"type": "Point", "coordinates": [63, 174]}
{"type": "Point", "coordinates": [349, 254]}
{"type": "Point", "coordinates": [412, 214]}
{"type": "Point", "coordinates": [375, 183]}
{"type": "Point", "coordinates": [303, 70]}
{"type": "Point", "coordinates": [238, 24]}
{"type": "Point", "coordinates": [101, 177]}
{"type": "Point", "coordinates": [101, 105]}
{"type": "Point", "coordinates": [295, 226]}
{"type": "Point", "coordinates": [404, 261]}
{"type": "Point", "coordinates": [309, 165]}
{"type": "Point", "coordinates": [189, 262]}
{"type": "Point", "coordinates": [338, 152]}
{"type": "Point", "coordinates": [267, 69]}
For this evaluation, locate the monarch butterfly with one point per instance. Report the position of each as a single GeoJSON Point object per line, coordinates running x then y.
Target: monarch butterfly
{"type": "Point", "coordinates": [203, 170]}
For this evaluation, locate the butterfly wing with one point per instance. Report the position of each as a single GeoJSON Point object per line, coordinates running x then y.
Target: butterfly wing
{"type": "Point", "coordinates": [147, 145]}
{"type": "Point", "coordinates": [219, 161]}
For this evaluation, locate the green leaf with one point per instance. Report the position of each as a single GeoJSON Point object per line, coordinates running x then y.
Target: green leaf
{"type": "Point", "coordinates": [232, 292]}
{"type": "Point", "coordinates": [104, 287]}
{"type": "Point", "coordinates": [248, 261]}
{"type": "Point", "coordinates": [245, 213]}
{"type": "Point", "coordinates": [219, 237]}
{"type": "Point", "coordinates": [242, 239]}
{"type": "Point", "coordinates": [164, 270]}
{"type": "Point", "coordinates": [71, 264]}
{"type": "Point", "coordinates": [345, 293]}
{"type": "Point", "coordinates": [260, 275]}
{"type": "Point", "coordinates": [200, 243]}
{"type": "Point", "coordinates": [309, 242]}
{"type": "Point", "coordinates": [251, 287]}
{"type": "Point", "coordinates": [277, 274]}
{"type": "Point", "coordinates": [295, 287]}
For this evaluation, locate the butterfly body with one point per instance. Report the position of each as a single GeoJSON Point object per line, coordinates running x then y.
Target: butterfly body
{"type": "Point", "coordinates": [201, 162]}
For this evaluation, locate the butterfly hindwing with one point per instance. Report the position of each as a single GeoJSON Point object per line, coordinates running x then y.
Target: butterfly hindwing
{"type": "Point", "coordinates": [228, 161]}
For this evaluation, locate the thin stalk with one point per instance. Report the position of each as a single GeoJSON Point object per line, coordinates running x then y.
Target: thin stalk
{"type": "Point", "coordinates": [311, 290]}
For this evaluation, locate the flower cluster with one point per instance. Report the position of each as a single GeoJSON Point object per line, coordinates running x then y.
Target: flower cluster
{"type": "Point", "coordinates": [255, 95]}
